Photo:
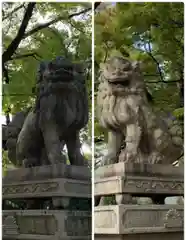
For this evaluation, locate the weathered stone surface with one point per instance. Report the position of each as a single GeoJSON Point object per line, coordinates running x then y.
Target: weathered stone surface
{"type": "Point", "coordinates": [132, 219]}
{"type": "Point", "coordinates": [46, 172]}
{"type": "Point", "coordinates": [139, 185]}
{"type": "Point", "coordinates": [36, 136]}
{"type": "Point", "coordinates": [139, 169]}
{"type": "Point", "coordinates": [46, 225]}
{"type": "Point", "coordinates": [139, 179]}
{"type": "Point", "coordinates": [47, 188]}
{"type": "Point", "coordinates": [136, 133]}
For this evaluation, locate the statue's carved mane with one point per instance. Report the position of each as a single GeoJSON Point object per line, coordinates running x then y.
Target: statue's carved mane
{"type": "Point", "coordinates": [123, 108]}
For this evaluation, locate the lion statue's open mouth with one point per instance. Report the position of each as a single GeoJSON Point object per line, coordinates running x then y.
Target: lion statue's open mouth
{"type": "Point", "coordinates": [54, 73]}
{"type": "Point", "coordinates": [118, 72]}
{"type": "Point", "coordinates": [125, 83]}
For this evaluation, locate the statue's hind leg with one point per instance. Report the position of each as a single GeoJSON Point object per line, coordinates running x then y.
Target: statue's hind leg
{"type": "Point", "coordinates": [74, 153]}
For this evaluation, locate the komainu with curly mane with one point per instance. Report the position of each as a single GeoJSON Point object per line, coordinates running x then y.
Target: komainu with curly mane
{"type": "Point", "coordinates": [60, 112]}
{"type": "Point", "coordinates": [135, 132]}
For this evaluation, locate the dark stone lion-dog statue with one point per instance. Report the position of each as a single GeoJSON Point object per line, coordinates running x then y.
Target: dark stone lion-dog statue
{"type": "Point", "coordinates": [37, 136]}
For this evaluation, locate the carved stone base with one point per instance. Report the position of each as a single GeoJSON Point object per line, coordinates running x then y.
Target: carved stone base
{"type": "Point", "coordinates": [50, 225]}
{"type": "Point", "coordinates": [127, 220]}
{"type": "Point", "coordinates": [155, 181]}
{"type": "Point", "coordinates": [56, 187]}
{"type": "Point", "coordinates": [49, 187]}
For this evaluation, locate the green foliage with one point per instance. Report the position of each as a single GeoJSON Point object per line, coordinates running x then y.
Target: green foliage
{"type": "Point", "coordinates": [67, 37]}
{"type": "Point", "coordinates": [179, 113]}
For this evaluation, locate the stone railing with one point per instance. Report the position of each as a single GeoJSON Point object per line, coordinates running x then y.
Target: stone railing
{"type": "Point", "coordinates": [126, 218]}
{"type": "Point", "coordinates": [56, 203]}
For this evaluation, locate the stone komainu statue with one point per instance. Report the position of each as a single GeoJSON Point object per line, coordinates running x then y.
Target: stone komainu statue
{"type": "Point", "coordinates": [37, 136]}
{"type": "Point", "coordinates": [135, 132]}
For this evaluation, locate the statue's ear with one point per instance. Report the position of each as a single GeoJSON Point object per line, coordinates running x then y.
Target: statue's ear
{"type": "Point", "coordinates": [101, 66]}
{"type": "Point", "coordinates": [80, 68]}
{"type": "Point", "coordinates": [136, 65]}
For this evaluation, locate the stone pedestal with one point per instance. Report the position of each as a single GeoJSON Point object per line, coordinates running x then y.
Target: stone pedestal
{"type": "Point", "coordinates": [64, 185]}
{"type": "Point", "coordinates": [132, 221]}
{"type": "Point", "coordinates": [46, 224]}
{"type": "Point", "coordinates": [138, 180]}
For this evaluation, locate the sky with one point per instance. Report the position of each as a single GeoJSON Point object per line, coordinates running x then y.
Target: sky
{"type": "Point", "coordinates": [3, 119]}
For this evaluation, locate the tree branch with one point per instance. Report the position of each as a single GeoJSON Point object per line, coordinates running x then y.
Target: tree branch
{"type": "Point", "coordinates": [15, 43]}
{"type": "Point", "coordinates": [33, 54]}
{"type": "Point", "coordinates": [96, 5]}
{"type": "Point", "coordinates": [5, 73]}
{"type": "Point", "coordinates": [149, 52]}
{"type": "Point", "coordinates": [55, 20]}
{"type": "Point", "coordinates": [13, 11]}
{"type": "Point", "coordinates": [180, 24]}
{"type": "Point", "coordinates": [173, 81]}
{"type": "Point", "coordinates": [72, 25]}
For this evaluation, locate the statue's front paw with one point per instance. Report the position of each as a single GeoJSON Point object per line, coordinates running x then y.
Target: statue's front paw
{"type": "Point", "coordinates": [28, 163]}
{"type": "Point", "coordinates": [108, 160]}
{"type": "Point", "coordinates": [128, 156]}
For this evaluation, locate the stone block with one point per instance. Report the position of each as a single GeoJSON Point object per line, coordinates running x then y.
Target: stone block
{"type": "Point", "coordinates": [139, 180]}
{"type": "Point", "coordinates": [139, 169]}
{"type": "Point", "coordinates": [139, 186]}
{"type": "Point", "coordinates": [56, 187]}
{"type": "Point", "coordinates": [46, 225]}
{"type": "Point", "coordinates": [47, 172]}
{"type": "Point", "coordinates": [147, 220]}
{"type": "Point", "coordinates": [142, 236]}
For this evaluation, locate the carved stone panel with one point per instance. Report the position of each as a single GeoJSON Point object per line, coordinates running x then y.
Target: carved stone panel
{"type": "Point", "coordinates": [48, 188]}
{"type": "Point", "coordinates": [139, 185]}
{"type": "Point", "coordinates": [46, 224]}
{"type": "Point", "coordinates": [77, 224]}
{"type": "Point", "coordinates": [173, 218]}
{"type": "Point", "coordinates": [130, 219]}
{"type": "Point", "coordinates": [10, 225]}
{"type": "Point", "coordinates": [29, 188]}
{"type": "Point", "coordinates": [153, 185]}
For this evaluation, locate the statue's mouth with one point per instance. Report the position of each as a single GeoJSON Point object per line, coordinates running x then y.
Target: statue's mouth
{"type": "Point", "coordinates": [61, 73]}
{"type": "Point", "coordinates": [125, 83]}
